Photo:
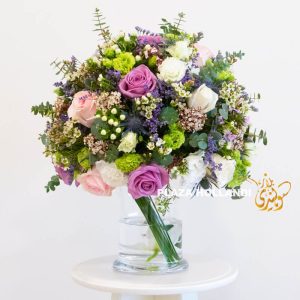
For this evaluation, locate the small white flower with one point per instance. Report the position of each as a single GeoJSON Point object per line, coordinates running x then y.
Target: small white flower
{"type": "Point", "coordinates": [180, 50]}
{"type": "Point", "coordinates": [122, 117]}
{"type": "Point", "coordinates": [147, 47]}
{"type": "Point", "coordinates": [138, 58]}
{"type": "Point", "coordinates": [103, 132]}
{"type": "Point", "coordinates": [104, 118]}
{"type": "Point", "coordinates": [159, 142]}
{"type": "Point", "coordinates": [110, 121]}
{"type": "Point", "coordinates": [150, 146]}
{"type": "Point", "coordinates": [110, 174]}
{"type": "Point", "coordinates": [204, 98]}
{"type": "Point", "coordinates": [172, 69]}
{"type": "Point", "coordinates": [114, 111]}
{"type": "Point", "coordinates": [113, 136]}
{"type": "Point", "coordinates": [224, 175]}
{"type": "Point", "coordinates": [128, 142]}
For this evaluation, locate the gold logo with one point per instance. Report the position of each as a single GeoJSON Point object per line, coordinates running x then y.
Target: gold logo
{"type": "Point", "coordinates": [269, 196]}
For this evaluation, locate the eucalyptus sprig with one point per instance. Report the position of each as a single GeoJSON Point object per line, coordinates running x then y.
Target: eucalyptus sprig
{"type": "Point", "coordinates": [100, 26]}
{"type": "Point", "coordinates": [44, 109]}
{"type": "Point", "coordinates": [52, 184]}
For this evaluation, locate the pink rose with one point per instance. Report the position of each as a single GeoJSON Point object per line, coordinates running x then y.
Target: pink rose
{"type": "Point", "coordinates": [93, 183]}
{"type": "Point", "coordinates": [204, 54]}
{"type": "Point", "coordinates": [83, 108]}
{"type": "Point", "coordinates": [147, 180]}
{"type": "Point", "coordinates": [138, 82]}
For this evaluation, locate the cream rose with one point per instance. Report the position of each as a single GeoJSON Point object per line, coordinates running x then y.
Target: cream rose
{"type": "Point", "coordinates": [110, 174]}
{"type": "Point", "coordinates": [83, 108]}
{"type": "Point", "coordinates": [172, 69]}
{"type": "Point", "coordinates": [204, 98]}
{"type": "Point", "coordinates": [225, 174]}
{"type": "Point", "coordinates": [128, 142]}
{"type": "Point", "coordinates": [180, 50]}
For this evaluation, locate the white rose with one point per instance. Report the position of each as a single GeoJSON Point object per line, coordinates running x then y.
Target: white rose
{"type": "Point", "coordinates": [128, 142]}
{"type": "Point", "coordinates": [224, 175]}
{"type": "Point", "coordinates": [172, 69]}
{"type": "Point", "coordinates": [180, 50]}
{"type": "Point", "coordinates": [196, 172]}
{"type": "Point", "coordinates": [110, 174]}
{"type": "Point", "coordinates": [204, 98]}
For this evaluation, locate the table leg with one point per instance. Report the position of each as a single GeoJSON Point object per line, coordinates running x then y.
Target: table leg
{"type": "Point", "coordinates": [185, 296]}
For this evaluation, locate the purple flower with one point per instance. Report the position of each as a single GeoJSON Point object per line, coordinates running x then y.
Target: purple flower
{"type": "Point", "coordinates": [65, 175]}
{"type": "Point", "coordinates": [138, 82]}
{"type": "Point", "coordinates": [229, 136]}
{"type": "Point", "coordinates": [154, 123]}
{"type": "Point", "coordinates": [208, 156]}
{"type": "Point", "coordinates": [152, 40]}
{"type": "Point", "coordinates": [147, 180]}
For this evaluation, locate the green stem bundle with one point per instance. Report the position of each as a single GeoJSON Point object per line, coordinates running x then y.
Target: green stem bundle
{"type": "Point", "coordinates": [158, 229]}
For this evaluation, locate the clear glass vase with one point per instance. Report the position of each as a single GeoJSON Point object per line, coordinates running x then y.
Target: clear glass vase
{"type": "Point", "coordinates": [149, 242]}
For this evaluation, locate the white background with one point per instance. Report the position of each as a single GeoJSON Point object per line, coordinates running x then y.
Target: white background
{"type": "Point", "coordinates": [43, 235]}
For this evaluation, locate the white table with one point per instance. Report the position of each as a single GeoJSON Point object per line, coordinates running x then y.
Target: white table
{"type": "Point", "coordinates": [202, 275]}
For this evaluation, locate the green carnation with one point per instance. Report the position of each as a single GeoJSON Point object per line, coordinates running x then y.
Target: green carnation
{"type": "Point", "coordinates": [225, 75]}
{"type": "Point", "coordinates": [240, 172]}
{"type": "Point", "coordinates": [124, 62]}
{"type": "Point", "coordinates": [109, 53]}
{"type": "Point", "coordinates": [175, 138]}
{"type": "Point", "coordinates": [129, 162]}
{"type": "Point", "coordinates": [106, 62]}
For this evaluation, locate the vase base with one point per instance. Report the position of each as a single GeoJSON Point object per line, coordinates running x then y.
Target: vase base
{"type": "Point", "coordinates": [148, 268]}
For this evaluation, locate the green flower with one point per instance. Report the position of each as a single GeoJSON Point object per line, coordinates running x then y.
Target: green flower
{"type": "Point", "coordinates": [240, 172]}
{"type": "Point", "coordinates": [175, 138]}
{"type": "Point", "coordinates": [129, 162]}
{"type": "Point", "coordinates": [110, 53]}
{"type": "Point", "coordinates": [106, 62]}
{"type": "Point", "coordinates": [124, 62]}
{"type": "Point", "coordinates": [225, 75]}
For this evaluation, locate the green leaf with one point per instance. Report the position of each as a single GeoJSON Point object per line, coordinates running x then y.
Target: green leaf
{"type": "Point", "coordinates": [169, 226]}
{"type": "Point", "coordinates": [42, 109]}
{"type": "Point", "coordinates": [169, 115]}
{"type": "Point", "coordinates": [96, 128]}
{"type": "Point", "coordinates": [202, 145]}
{"type": "Point", "coordinates": [216, 135]}
{"type": "Point", "coordinates": [224, 111]}
{"type": "Point", "coordinates": [194, 140]}
{"type": "Point", "coordinates": [93, 159]}
{"type": "Point", "coordinates": [53, 183]}
{"type": "Point", "coordinates": [163, 160]}
{"type": "Point", "coordinates": [112, 153]}
{"type": "Point", "coordinates": [212, 113]}
{"type": "Point", "coordinates": [203, 136]}
{"type": "Point", "coordinates": [44, 138]}
{"type": "Point", "coordinates": [83, 158]}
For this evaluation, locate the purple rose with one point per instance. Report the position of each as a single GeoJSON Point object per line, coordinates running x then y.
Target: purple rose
{"type": "Point", "coordinates": [138, 82]}
{"type": "Point", "coordinates": [147, 180]}
{"type": "Point", "coordinates": [65, 175]}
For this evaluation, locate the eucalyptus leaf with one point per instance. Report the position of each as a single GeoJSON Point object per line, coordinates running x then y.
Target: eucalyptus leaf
{"type": "Point", "coordinates": [202, 145]}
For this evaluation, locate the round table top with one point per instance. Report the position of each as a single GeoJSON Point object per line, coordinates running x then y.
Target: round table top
{"type": "Point", "coordinates": [202, 275]}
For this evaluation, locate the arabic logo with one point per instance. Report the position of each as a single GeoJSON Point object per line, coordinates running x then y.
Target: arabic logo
{"type": "Point", "coordinates": [269, 196]}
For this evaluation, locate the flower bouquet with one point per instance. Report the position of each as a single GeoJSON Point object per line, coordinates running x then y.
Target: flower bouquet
{"type": "Point", "coordinates": [150, 111]}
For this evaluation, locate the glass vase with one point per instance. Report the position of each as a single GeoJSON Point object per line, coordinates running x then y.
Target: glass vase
{"type": "Point", "coordinates": [149, 242]}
